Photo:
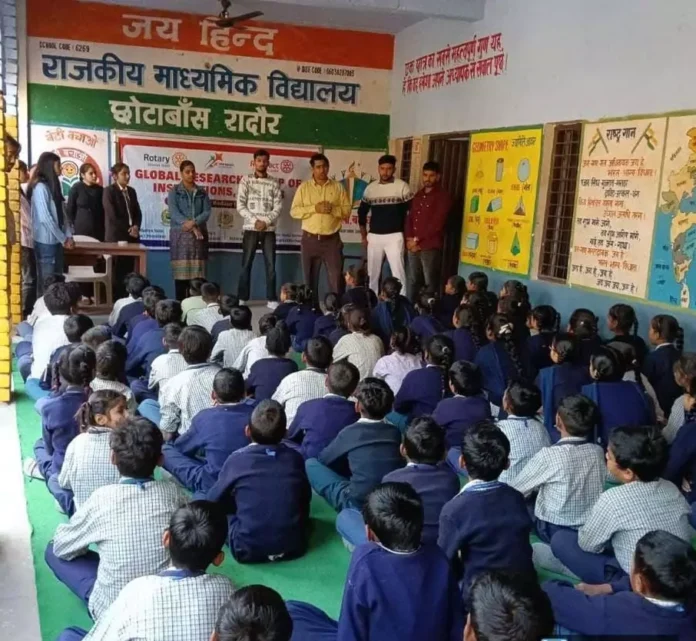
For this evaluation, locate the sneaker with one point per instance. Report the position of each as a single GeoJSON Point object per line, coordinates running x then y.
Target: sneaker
{"type": "Point", "coordinates": [31, 469]}
{"type": "Point", "coordinates": [272, 305]}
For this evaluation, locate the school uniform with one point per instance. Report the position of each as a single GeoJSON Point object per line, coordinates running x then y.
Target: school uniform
{"type": "Point", "coordinates": [126, 522]}
{"type": "Point", "coordinates": [425, 327]}
{"type": "Point", "coordinates": [390, 315]}
{"type": "Point", "coordinates": [229, 345]}
{"type": "Point", "coordinates": [297, 388]}
{"type": "Point", "coordinates": [569, 477]}
{"type": "Point", "coordinates": [300, 322]}
{"type": "Point", "coordinates": [389, 596]}
{"type": "Point", "coordinates": [446, 307]}
{"type": "Point", "coordinates": [421, 392]}
{"type": "Point", "coordinates": [164, 367]}
{"type": "Point", "coordinates": [392, 369]}
{"type": "Point", "coordinates": [48, 336]}
{"type": "Point", "coordinates": [145, 351]}
{"type": "Point", "coordinates": [476, 537]}
{"type": "Point", "coordinates": [636, 341]}
{"type": "Point", "coordinates": [603, 548]}
{"type": "Point", "coordinates": [197, 457]}
{"type": "Point", "coordinates": [127, 313]}
{"type": "Point", "coordinates": [337, 335]}
{"type": "Point", "coordinates": [190, 304]}
{"type": "Point", "coordinates": [625, 614]}
{"type": "Point", "coordinates": [677, 418]}
{"type": "Point", "coordinates": [681, 464]}
{"type": "Point", "coordinates": [586, 347]}
{"type": "Point", "coordinates": [116, 386]}
{"type": "Point", "coordinates": [355, 462]}
{"type": "Point", "coordinates": [619, 403]}
{"type": "Point", "coordinates": [362, 350]}
{"type": "Point", "coordinates": [362, 297]}
{"type": "Point", "coordinates": [527, 436]}
{"type": "Point", "coordinates": [266, 493]}
{"type": "Point", "coordinates": [324, 325]}
{"type": "Point", "coordinates": [319, 421]}
{"type": "Point", "coordinates": [267, 374]}
{"type": "Point", "coordinates": [139, 328]}
{"type": "Point", "coordinates": [281, 312]}
{"type": "Point", "coordinates": [497, 369]}
{"type": "Point", "coordinates": [659, 368]}
{"type": "Point", "coordinates": [205, 317]}
{"type": "Point", "coordinates": [220, 326]}
{"type": "Point", "coordinates": [457, 414]}
{"type": "Point", "coordinates": [465, 348]}
{"type": "Point", "coordinates": [119, 305]}
{"type": "Point", "coordinates": [253, 351]}
{"type": "Point", "coordinates": [46, 381]}
{"type": "Point", "coordinates": [536, 352]}
{"type": "Point", "coordinates": [556, 383]}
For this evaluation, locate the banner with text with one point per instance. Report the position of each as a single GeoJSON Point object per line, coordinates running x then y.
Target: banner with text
{"type": "Point", "coordinates": [501, 193]}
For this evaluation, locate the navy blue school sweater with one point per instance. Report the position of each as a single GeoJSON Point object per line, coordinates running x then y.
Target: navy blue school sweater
{"type": "Point", "coordinates": [457, 414]}
{"type": "Point", "coordinates": [497, 369]}
{"type": "Point", "coordinates": [266, 374]}
{"type": "Point", "coordinates": [400, 597]}
{"type": "Point", "coordinates": [129, 312]}
{"type": "Point", "coordinates": [214, 434]}
{"type": "Point", "coordinates": [424, 327]}
{"type": "Point", "coordinates": [266, 493]}
{"type": "Point", "coordinates": [58, 424]}
{"type": "Point", "coordinates": [421, 391]}
{"type": "Point", "coordinates": [337, 335]}
{"type": "Point", "coordinates": [446, 307]}
{"type": "Point", "coordinates": [46, 381]}
{"type": "Point", "coordinates": [624, 614]}
{"type": "Point", "coordinates": [324, 325]}
{"type": "Point", "coordinates": [364, 452]}
{"type": "Point", "coordinates": [281, 312]}
{"type": "Point", "coordinates": [659, 370]}
{"type": "Point", "coordinates": [537, 353]}
{"type": "Point", "coordinates": [149, 346]}
{"type": "Point", "coordinates": [486, 527]}
{"type": "Point", "coordinates": [557, 382]}
{"type": "Point", "coordinates": [390, 315]}
{"type": "Point", "coordinates": [138, 327]}
{"type": "Point", "coordinates": [682, 459]}
{"type": "Point", "coordinates": [464, 346]}
{"type": "Point", "coordinates": [219, 327]}
{"type": "Point", "coordinates": [319, 421]}
{"type": "Point", "coordinates": [435, 484]}
{"type": "Point", "coordinates": [300, 323]}
{"type": "Point", "coordinates": [362, 297]}
{"type": "Point", "coordinates": [586, 347]}
{"type": "Point", "coordinates": [637, 342]}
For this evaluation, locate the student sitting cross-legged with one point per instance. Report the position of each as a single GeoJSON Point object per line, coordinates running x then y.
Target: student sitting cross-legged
{"type": "Point", "coordinates": [194, 300]}
{"type": "Point", "coordinates": [111, 371]}
{"type": "Point", "coordinates": [167, 365]}
{"type": "Point", "coordinates": [143, 323]}
{"type": "Point", "coordinates": [230, 343]}
{"type": "Point", "coordinates": [124, 521]}
{"type": "Point", "coordinates": [255, 349]}
{"type": "Point", "coordinates": [197, 456]}
{"type": "Point", "coordinates": [264, 489]}
{"type": "Point", "coordinates": [94, 337]}
{"type": "Point", "coordinates": [75, 327]}
{"type": "Point", "coordinates": [659, 605]}
{"type": "Point", "coordinates": [210, 314]}
{"type": "Point", "coordinates": [267, 373]}
{"type": "Point", "coordinates": [404, 357]}
{"type": "Point", "coordinates": [180, 603]}
{"type": "Point", "coordinates": [361, 455]}
{"type": "Point", "coordinates": [397, 589]}
{"type": "Point", "coordinates": [600, 553]}
{"type": "Point", "coordinates": [423, 447]}
{"type": "Point", "coordinates": [475, 536]}
{"type": "Point", "coordinates": [320, 420]}
{"type": "Point", "coordinates": [569, 475]}
{"type": "Point", "coordinates": [129, 307]}
{"type": "Point", "coordinates": [227, 303]}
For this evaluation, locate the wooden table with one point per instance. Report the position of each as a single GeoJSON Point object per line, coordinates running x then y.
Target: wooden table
{"type": "Point", "coordinates": [136, 250]}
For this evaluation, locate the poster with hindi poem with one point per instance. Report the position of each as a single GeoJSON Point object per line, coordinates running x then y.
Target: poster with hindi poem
{"type": "Point", "coordinates": [501, 193]}
{"type": "Point", "coordinates": [618, 185]}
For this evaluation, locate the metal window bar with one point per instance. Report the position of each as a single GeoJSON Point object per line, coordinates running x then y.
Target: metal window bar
{"type": "Point", "coordinates": [406, 154]}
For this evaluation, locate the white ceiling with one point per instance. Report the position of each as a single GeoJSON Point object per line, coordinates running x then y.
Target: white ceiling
{"type": "Point", "coordinates": [383, 16]}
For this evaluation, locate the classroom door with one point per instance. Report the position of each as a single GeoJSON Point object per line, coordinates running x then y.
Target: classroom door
{"type": "Point", "coordinates": [452, 152]}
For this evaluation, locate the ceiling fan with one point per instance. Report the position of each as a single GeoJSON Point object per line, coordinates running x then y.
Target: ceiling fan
{"type": "Point", "coordinates": [225, 20]}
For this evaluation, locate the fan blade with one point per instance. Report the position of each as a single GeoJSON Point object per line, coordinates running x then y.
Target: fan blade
{"type": "Point", "coordinates": [231, 22]}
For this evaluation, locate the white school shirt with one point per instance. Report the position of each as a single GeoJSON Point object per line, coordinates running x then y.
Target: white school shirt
{"type": "Point", "coordinates": [361, 350]}
{"type": "Point", "coordinates": [205, 317]}
{"type": "Point", "coordinates": [392, 369]}
{"type": "Point", "coordinates": [48, 336]}
{"type": "Point", "coordinates": [166, 366]}
{"type": "Point", "coordinates": [39, 310]}
{"type": "Point", "coordinates": [230, 344]}
{"type": "Point", "coordinates": [299, 387]}
{"type": "Point", "coordinates": [118, 306]}
{"type": "Point", "coordinates": [253, 351]}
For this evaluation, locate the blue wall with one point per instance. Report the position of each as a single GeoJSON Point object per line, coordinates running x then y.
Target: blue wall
{"type": "Point", "coordinates": [566, 299]}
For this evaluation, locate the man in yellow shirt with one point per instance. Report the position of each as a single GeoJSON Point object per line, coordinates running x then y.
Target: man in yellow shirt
{"type": "Point", "coordinates": [322, 205]}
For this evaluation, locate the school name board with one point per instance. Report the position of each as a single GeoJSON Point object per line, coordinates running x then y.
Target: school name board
{"type": "Point", "coordinates": [614, 216]}
{"type": "Point", "coordinates": [501, 194]}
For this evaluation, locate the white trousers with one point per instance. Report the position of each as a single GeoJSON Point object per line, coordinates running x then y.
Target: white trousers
{"type": "Point", "coordinates": [393, 246]}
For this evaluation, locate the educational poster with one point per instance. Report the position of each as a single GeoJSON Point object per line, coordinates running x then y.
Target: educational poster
{"type": "Point", "coordinates": [75, 147]}
{"type": "Point", "coordinates": [617, 192]}
{"type": "Point", "coordinates": [501, 194]}
{"type": "Point", "coordinates": [672, 275]}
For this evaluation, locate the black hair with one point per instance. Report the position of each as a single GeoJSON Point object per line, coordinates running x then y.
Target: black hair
{"type": "Point", "coordinates": [685, 367]}
{"type": "Point", "coordinates": [332, 303]}
{"type": "Point", "coordinates": [524, 398]}
{"type": "Point", "coordinates": [502, 329]}
{"type": "Point", "coordinates": [151, 296]}
{"type": "Point", "coordinates": [668, 565]}
{"type": "Point", "coordinates": [318, 352]}
{"type": "Point", "coordinates": [197, 533]}
{"type": "Point", "coordinates": [641, 449]}
{"type": "Point", "coordinates": [317, 157]}
{"type": "Point", "coordinates": [268, 423]}
{"type": "Point", "coordinates": [111, 360]}
{"type": "Point", "coordinates": [194, 286]}
{"type": "Point", "coordinates": [424, 441]}
{"type": "Point", "coordinates": [52, 279]}
{"type": "Point", "coordinates": [44, 172]}
{"type": "Point", "coordinates": [75, 292]}
{"type": "Point", "coordinates": [278, 340]}
{"type": "Point", "coordinates": [135, 285]}
{"type": "Point", "coordinates": [75, 366]}
{"type": "Point", "coordinates": [168, 311]}
{"type": "Point", "coordinates": [210, 292]}
{"type": "Point", "coordinates": [402, 341]}
{"type": "Point", "coordinates": [394, 513]}
{"type": "Point", "coordinates": [517, 309]}
{"type": "Point", "coordinates": [425, 303]}
{"type": "Point", "coordinates": [172, 331]}
{"type": "Point", "coordinates": [439, 351]}
{"type": "Point", "coordinates": [342, 318]}
{"type": "Point", "coordinates": [11, 141]}
{"type": "Point", "coordinates": [227, 303]}
{"type": "Point", "coordinates": [254, 613]}
{"type": "Point", "coordinates": [479, 281]}
{"type": "Point", "coordinates": [94, 337]}
{"type": "Point", "coordinates": [99, 402]}
{"type": "Point", "coordinates": [358, 321]}
{"type": "Point", "coordinates": [117, 167]}
{"type": "Point", "coordinates": [625, 318]}
{"type": "Point", "coordinates": [85, 167]}
{"type": "Point", "coordinates": [266, 323]}
{"type": "Point", "coordinates": [375, 397]}
{"type": "Point", "coordinates": [608, 364]}
{"type": "Point", "coordinates": [432, 165]}
{"type": "Point", "coordinates": [469, 318]}
{"type": "Point", "coordinates": [629, 356]}
{"type": "Point", "coordinates": [22, 166]}
{"type": "Point", "coordinates": [137, 447]}
{"type": "Point", "coordinates": [261, 153]}
{"type": "Point", "coordinates": [485, 450]}
{"type": "Point", "coordinates": [565, 347]}
{"type": "Point", "coordinates": [304, 295]}
{"type": "Point", "coordinates": [547, 318]}
{"type": "Point", "coordinates": [466, 378]}
{"type": "Point", "coordinates": [516, 289]}
{"type": "Point", "coordinates": [506, 606]}
{"type": "Point", "coordinates": [186, 163]}
{"type": "Point", "coordinates": [343, 378]}
{"type": "Point", "coordinates": [387, 159]}
{"type": "Point", "coordinates": [195, 345]}
{"type": "Point", "coordinates": [358, 272]}
{"type": "Point", "coordinates": [290, 290]}
{"type": "Point", "coordinates": [228, 385]}
{"type": "Point", "coordinates": [579, 414]}
{"type": "Point", "coordinates": [58, 299]}
{"type": "Point", "coordinates": [240, 317]}
{"type": "Point", "coordinates": [583, 324]}
{"type": "Point", "coordinates": [458, 284]}
{"type": "Point", "coordinates": [76, 325]}
{"type": "Point", "coordinates": [668, 329]}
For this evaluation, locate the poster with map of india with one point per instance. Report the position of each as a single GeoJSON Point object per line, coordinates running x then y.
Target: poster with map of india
{"type": "Point", "coordinates": [672, 269]}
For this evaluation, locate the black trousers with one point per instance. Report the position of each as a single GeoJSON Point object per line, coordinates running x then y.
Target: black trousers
{"type": "Point", "coordinates": [424, 271]}
{"type": "Point", "coordinates": [250, 243]}
{"type": "Point", "coordinates": [28, 268]}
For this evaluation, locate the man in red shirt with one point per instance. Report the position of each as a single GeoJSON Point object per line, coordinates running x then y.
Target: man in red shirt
{"type": "Point", "coordinates": [425, 230]}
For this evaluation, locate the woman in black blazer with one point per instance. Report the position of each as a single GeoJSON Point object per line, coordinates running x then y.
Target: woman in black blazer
{"type": "Point", "coordinates": [85, 208]}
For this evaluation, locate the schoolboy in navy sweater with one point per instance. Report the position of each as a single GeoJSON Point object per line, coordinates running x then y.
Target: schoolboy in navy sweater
{"type": "Point", "coordinates": [135, 286]}
{"type": "Point", "coordinates": [397, 589]}
{"type": "Point", "coordinates": [681, 464]}
{"type": "Point", "coordinates": [319, 421]}
{"type": "Point", "coordinates": [360, 456]}
{"type": "Point", "coordinates": [227, 303]}
{"type": "Point", "coordinates": [139, 325]}
{"type": "Point", "coordinates": [267, 373]}
{"type": "Point", "coordinates": [197, 456]}
{"type": "Point", "coordinates": [474, 536]}
{"type": "Point", "coordinates": [660, 605]}
{"type": "Point", "coordinates": [265, 491]}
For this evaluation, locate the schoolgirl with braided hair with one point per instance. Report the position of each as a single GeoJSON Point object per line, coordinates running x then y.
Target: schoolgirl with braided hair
{"type": "Point", "coordinates": [668, 337]}
{"type": "Point", "coordinates": [516, 307]}
{"type": "Point", "coordinates": [467, 333]}
{"type": "Point", "coordinates": [544, 323]}
{"type": "Point", "coordinates": [327, 323]}
{"type": "Point", "coordinates": [404, 357]}
{"type": "Point", "coordinates": [623, 323]}
{"type": "Point", "coordinates": [685, 377]}
{"type": "Point", "coordinates": [301, 319]}
{"type": "Point", "coordinates": [393, 310]}
{"type": "Point", "coordinates": [583, 325]}
{"type": "Point", "coordinates": [426, 324]}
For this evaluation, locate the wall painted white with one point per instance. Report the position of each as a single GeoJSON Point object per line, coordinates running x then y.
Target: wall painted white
{"type": "Point", "coordinates": [567, 60]}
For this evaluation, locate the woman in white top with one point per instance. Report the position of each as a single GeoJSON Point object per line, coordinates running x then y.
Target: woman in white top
{"type": "Point", "coordinates": [361, 347]}
{"type": "Point", "coordinates": [400, 361]}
